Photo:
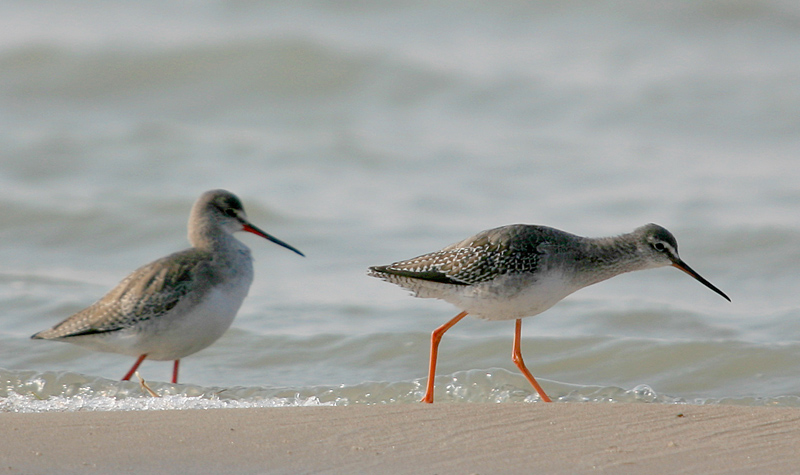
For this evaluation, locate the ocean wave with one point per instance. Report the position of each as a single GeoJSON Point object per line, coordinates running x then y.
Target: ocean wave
{"type": "Point", "coordinates": [27, 392]}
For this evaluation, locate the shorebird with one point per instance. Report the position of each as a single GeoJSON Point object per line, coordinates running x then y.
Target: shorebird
{"type": "Point", "coordinates": [179, 304]}
{"type": "Point", "coordinates": [518, 271]}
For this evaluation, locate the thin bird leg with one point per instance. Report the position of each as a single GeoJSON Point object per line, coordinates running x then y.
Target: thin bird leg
{"type": "Point", "coordinates": [516, 357]}
{"type": "Point", "coordinates": [436, 337]}
{"type": "Point", "coordinates": [175, 372]}
{"type": "Point", "coordinates": [145, 387]}
{"type": "Point", "coordinates": [127, 377]}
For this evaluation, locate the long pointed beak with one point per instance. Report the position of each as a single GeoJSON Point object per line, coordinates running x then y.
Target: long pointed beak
{"type": "Point", "coordinates": [679, 264]}
{"type": "Point", "coordinates": [252, 229]}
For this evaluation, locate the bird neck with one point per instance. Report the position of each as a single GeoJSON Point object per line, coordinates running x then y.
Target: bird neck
{"type": "Point", "coordinates": [603, 258]}
{"type": "Point", "coordinates": [207, 237]}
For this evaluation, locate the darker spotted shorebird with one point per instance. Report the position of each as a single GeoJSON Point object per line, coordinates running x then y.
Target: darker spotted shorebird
{"type": "Point", "coordinates": [179, 304]}
{"type": "Point", "coordinates": [518, 271]}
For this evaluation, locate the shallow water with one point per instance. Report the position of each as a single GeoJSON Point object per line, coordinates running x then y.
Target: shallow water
{"type": "Point", "coordinates": [368, 134]}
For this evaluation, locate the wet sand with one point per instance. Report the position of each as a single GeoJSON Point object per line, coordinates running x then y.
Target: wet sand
{"type": "Point", "coordinates": [408, 438]}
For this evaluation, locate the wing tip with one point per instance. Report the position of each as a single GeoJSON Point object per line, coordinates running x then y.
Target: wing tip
{"type": "Point", "coordinates": [54, 334]}
{"type": "Point", "coordinates": [387, 272]}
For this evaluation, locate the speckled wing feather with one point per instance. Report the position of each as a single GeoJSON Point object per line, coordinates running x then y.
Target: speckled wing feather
{"type": "Point", "coordinates": [481, 258]}
{"type": "Point", "coordinates": [148, 292]}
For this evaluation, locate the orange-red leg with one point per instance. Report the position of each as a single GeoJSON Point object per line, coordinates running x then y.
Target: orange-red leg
{"type": "Point", "coordinates": [175, 372]}
{"type": "Point", "coordinates": [127, 377]}
{"type": "Point", "coordinates": [516, 357]}
{"type": "Point", "coordinates": [436, 337]}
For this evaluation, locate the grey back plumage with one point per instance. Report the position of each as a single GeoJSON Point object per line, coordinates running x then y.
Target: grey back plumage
{"type": "Point", "coordinates": [148, 292]}
{"type": "Point", "coordinates": [512, 249]}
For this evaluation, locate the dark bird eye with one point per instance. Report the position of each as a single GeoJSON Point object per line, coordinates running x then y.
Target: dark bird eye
{"type": "Point", "coordinates": [230, 212]}
{"type": "Point", "coordinates": [659, 246]}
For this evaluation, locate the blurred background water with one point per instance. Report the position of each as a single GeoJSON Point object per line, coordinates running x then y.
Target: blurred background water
{"type": "Point", "coordinates": [368, 132]}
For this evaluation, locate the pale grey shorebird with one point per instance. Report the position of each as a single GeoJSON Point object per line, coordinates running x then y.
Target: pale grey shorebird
{"type": "Point", "coordinates": [518, 271]}
{"type": "Point", "coordinates": [179, 304]}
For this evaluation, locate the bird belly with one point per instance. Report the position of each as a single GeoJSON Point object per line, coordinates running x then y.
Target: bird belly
{"type": "Point", "coordinates": [511, 296]}
{"type": "Point", "coordinates": [196, 329]}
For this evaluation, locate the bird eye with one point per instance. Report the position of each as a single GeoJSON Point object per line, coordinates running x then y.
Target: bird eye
{"type": "Point", "coordinates": [230, 212]}
{"type": "Point", "coordinates": [659, 246]}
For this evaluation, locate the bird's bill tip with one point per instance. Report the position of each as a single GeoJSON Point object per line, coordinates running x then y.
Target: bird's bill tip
{"type": "Point", "coordinates": [685, 268]}
{"type": "Point", "coordinates": [252, 229]}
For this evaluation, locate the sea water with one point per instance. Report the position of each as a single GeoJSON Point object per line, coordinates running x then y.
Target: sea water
{"type": "Point", "coordinates": [365, 133]}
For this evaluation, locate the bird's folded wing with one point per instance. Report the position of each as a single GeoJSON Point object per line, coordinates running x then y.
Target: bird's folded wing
{"type": "Point", "coordinates": [148, 292]}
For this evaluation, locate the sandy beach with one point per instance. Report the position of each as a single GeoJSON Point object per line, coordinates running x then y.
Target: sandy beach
{"type": "Point", "coordinates": [409, 438]}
